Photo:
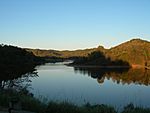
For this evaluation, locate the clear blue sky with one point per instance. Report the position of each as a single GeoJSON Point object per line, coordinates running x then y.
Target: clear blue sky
{"type": "Point", "coordinates": [73, 24]}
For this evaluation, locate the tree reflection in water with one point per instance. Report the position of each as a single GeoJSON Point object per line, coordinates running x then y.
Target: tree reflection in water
{"type": "Point", "coordinates": [16, 66]}
{"type": "Point", "coordinates": [20, 81]}
{"type": "Point", "coordinates": [117, 75]}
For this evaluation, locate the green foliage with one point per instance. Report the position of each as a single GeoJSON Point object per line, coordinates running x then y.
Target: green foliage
{"type": "Point", "coordinates": [15, 62]}
{"type": "Point", "coordinates": [65, 107]}
{"type": "Point", "coordinates": [99, 59]}
{"type": "Point", "coordinates": [13, 55]}
{"type": "Point", "coordinates": [16, 65]}
{"type": "Point", "coordinates": [4, 99]}
{"type": "Point", "coordinates": [131, 109]}
{"type": "Point", "coordinates": [30, 103]}
{"type": "Point", "coordinates": [95, 55]}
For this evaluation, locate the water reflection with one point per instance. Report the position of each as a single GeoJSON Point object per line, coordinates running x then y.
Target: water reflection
{"type": "Point", "coordinates": [17, 79]}
{"type": "Point", "coordinates": [117, 75]}
{"type": "Point", "coordinates": [60, 83]}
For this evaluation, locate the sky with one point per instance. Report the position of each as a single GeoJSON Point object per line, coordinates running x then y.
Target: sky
{"type": "Point", "coordinates": [73, 24]}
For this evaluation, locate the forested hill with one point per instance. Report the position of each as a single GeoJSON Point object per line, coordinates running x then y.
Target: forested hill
{"type": "Point", "coordinates": [135, 51]}
{"type": "Point", "coordinates": [16, 61]}
{"type": "Point", "coordinates": [11, 54]}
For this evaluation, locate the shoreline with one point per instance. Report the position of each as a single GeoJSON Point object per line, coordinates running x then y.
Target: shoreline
{"type": "Point", "coordinates": [96, 66]}
{"type": "Point", "coordinates": [109, 67]}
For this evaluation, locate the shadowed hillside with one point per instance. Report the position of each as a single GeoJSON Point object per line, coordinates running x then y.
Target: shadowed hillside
{"type": "Point", "coordinates": [14, 62]}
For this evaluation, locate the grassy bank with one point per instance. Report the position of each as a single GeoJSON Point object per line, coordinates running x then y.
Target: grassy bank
{"type": "Point", "coordinates": [32, 104]}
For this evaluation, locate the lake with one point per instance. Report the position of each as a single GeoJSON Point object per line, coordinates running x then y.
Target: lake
{"type": "Point", "coordinates": [117, 88]}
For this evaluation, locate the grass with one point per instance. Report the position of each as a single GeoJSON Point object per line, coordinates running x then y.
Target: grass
{"type": "Point", "coordinates": [30, 103]}
{"type": "Point", "coordinates": [131, 109]}
{"type": "Point", "coordinates": [65, 107]}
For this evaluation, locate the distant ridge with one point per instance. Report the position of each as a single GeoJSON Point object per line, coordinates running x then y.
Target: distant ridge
{"type": "Point", "coordinates": [135, 52]}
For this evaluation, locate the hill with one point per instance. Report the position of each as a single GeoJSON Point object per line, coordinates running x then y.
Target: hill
{"type": "Point", "coordinates": [61, 54]}
{"type": "Point", "coordinates": [15, 62]}
{"type": "Point", "coordinates": [135, 52]}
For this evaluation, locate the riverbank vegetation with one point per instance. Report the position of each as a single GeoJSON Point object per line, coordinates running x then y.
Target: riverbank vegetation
{"type": "Point", "coordinates": [30, 103]}
{"type": "Point", "coordinates": [98, 58]}
{"type": "Point", "coordinates": [15, 62]}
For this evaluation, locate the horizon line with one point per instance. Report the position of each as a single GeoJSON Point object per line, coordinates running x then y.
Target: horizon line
{"type": "Point", "coordinates": [56, 49]}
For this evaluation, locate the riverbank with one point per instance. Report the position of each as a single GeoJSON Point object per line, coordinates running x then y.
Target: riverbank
{"type": "Point", "coordinates": [64, 107]}
{"type": "Point", "coordinates": [97, 66]}
{"type": "Point", "coordinates": [29, 104]}
{"type": "Point", "coordinates": [135, 66]}
{"type": "Point", "coordinates": [5, 110]}
{"type": "Point", "coordinates": [109, 67]}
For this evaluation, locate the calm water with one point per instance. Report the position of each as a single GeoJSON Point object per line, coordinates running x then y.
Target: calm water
{"type": "Point", "coordinates": [97, 86]}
